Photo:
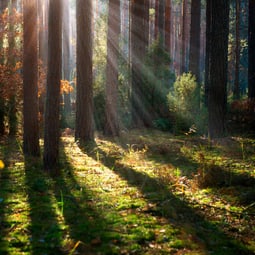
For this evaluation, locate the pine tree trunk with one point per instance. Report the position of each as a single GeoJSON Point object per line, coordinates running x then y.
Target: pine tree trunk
{"type": "Point", "coordinates": [52, 106]}
{"type": "Point", "coordinates": [237, 52]}
{"type": "Point", "coordinates": [112, 123]}
{"type": "Point", "coordinates": [30, 79]}
{"type": "Point", "coordinates": [251, 50]}
{"type": "Point", "coordinates": [84, 98]}
{"type": "Point", "coordinates": [217, 100]}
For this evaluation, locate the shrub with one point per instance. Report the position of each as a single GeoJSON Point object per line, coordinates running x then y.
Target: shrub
{"type": "Point", "coordinates": [184, 105]}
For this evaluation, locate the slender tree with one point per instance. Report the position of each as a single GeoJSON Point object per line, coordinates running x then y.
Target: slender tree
{"type": "Point", "coordinates": [112, 123]}
{"type": "Point", "coordinates": [84, 98]}
{"type": "Point", "coordinates": [194, 53]}
{"type": "Point", "coordinates": [168, 25]}
{"type": "Point", "coordinates": [237, 52]}
{"type": "Point", "coordinates": [208, 49]}
{"type": "Point", "coordinates": [30, 79]}
{"type": "Point", "coordinates": [52, 106]}
{"type": "Point", "coordinates": [3, 6]}
{"type": "Point", "coordinates": [66, 54]}
{"type": "Point", "coordinates": [140, 116]}
{"type": "Point", "coordinates": [217, 100]}
{"type": "Point", "coordinates": [251, 50]}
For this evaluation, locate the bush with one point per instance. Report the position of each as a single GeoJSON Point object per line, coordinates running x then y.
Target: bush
{"type": "Point", "coordinates": [184, 105]}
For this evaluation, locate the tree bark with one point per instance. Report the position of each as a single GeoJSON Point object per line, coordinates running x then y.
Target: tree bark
{"type": "Point", "coordinates": [251, 50]}
{"type": "Point", "coordinates": [30, 79]}
{"type": "Point", "coordinates": [112, 123]}
{"type": "Point", "coordinates": [84, 98]}
{"type": "Point", "coordinates": [217, 100]}
{"type": "Point", "coordinates": [52, 106]}
{"type": "Point", "coordinates": [237, 52]}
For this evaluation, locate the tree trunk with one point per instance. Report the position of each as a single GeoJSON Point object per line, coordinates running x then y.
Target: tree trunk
{"type": "Point", "coordinates": [168, 26]}
{"type": "Point", "coordinates": [112, 123]}
{"type": "Point", "coordinates": [194, 53]}
{"type": "Point", "coordinates": [217, 100]}
{"type": "Point", "coordinates": [84, 98]}
{"type": "Point", "coordinates": [52, 106]}
{"type": "Point", "coordinates": [251, 50]}
{"type": "Point", "coordinates": [140, 116]}
{"type": "Point", "coordinates": [208, 49]}
{"type": "Point", "coordinates": [30, 79]}
{"type": "Point", "coordinates": [66, 56]}
{"type": "Point", "coordinates": [237, 52]}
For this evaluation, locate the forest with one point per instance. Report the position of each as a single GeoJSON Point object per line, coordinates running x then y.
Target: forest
{"type": "Point", "coordinates": [127, 127]}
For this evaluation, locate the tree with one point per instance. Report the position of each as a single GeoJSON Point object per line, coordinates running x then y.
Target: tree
{"type": "Point", "coordinates": [112, 123]}
{"type": "Point", "coordinates": [168, 26]}
{"type": "Point", "coordinates": [237, 52]}
{"type": "Point", "coordinates": [66, 55]}
{"type": "Point", "coordinates": [52, 105]}
{"type": "Point", "coordinates": [251, 50]}
{"type": "Point", "coordinates": [194, 53]}
{"type": "Point", "coordinates": [30, 79]}
{"type": "Point", "coordinates": [3, 6]}
{"type": "Point", "coordinates": [84, 98]}
{"type": "Point", "coordinates": [208, 49]}
{"type": "Point", "coordinates": [217, 97]}
{"type": "Point", "coordinates": [140, 116]}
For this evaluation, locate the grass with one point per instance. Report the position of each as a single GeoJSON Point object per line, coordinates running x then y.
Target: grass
{"type": "Point", "coordinates": [146, 192]}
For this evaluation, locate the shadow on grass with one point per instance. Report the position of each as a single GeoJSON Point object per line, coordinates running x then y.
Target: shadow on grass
{"type": "Point", "coordinates": [8, 187]}
{"type": "Point", "coordinates": [45, 230]}
{"type": "Point", "coordinates": [64, 217]}
{"type": "Point", "coordinates": [173, 208]}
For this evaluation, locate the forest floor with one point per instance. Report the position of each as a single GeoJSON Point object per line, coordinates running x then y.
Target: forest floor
{"type": "Point", "coordinates": [146, 192]}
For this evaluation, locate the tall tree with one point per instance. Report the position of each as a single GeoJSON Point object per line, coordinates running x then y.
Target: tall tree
{"type": "Point", "coordinates": [52, 106]}
{"type": "Point", "coordinates": [66, 55]}
{"type": "Point", "coordinates": [168, 25]}
{"type": "Point", "coordinates": [251, 50]}
{"type": "Point", "coordinates": [3, 6]}
{"type": "Point", "coordinates": [112, 123]}
{"type": "Point", "coordinates": [84, 98]}
{"type": "Point", "coordinates": [184, 36]}
{"type": "Point", "coordinates": [208, 49]}
{"type": "Point", "coordinates": [140, 115]}
{"type": "Point", "coordinates": [30, 79]}
{"type": "Point", "coordinates": [217, 100]}
{"type": "Point", "coordinates": [194, 53]}
{"type": "Point", "coordinates": [237, 51]}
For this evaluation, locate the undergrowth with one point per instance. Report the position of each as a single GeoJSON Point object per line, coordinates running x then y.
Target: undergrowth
{"type": "Point", "coordinates": [146, 192]}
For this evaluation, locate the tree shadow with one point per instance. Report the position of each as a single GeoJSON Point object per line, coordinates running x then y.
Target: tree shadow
{"type": "Point", "coordinates": [8, 150]}
{"type": "Point", "coordinates": [172, 207]}
{"type": "Point", "coordinates": [46, 233]}
{"type": "Point", "coordinates": [88, 230]}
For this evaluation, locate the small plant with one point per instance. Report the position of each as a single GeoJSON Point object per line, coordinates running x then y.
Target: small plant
{"type": "Point", "coordinates": [184, 105]}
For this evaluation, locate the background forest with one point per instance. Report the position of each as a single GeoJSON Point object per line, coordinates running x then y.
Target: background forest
{"type": "Point", "coordinates": [132, 122]}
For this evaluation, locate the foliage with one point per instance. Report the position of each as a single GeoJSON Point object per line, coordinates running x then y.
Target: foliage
{"type": "Point", "coordinates": [10, 54]}
{"type": "Point", "coordinates": [183, 104]}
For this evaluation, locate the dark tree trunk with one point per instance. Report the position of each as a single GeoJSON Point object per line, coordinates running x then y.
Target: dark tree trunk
{"type": "Point", "coordinates": [194, 53]}
{"type": "Point", "coordinates": [237, 52]}
{"type": "Point", "coordinates": [168, 26]}
{"type": "Point", "coordinates": [30, 79]}
{"type": "Point", "coordinates": [140, 116]}
{"type": "Point", "coordinates": [208, 48]}
{"type": "Point", "coordinates": [251, 50]}
{"type": "Point", "coordinates": [84, 98]}
{"type": "Point", "coordinates": [112, 123]}
{"type": "Point", "coordinates": [217, 100]}
{"type": "Point", "coordinates": [52, 106]}
{"type": "Point", "coordinates": [66, 56]}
